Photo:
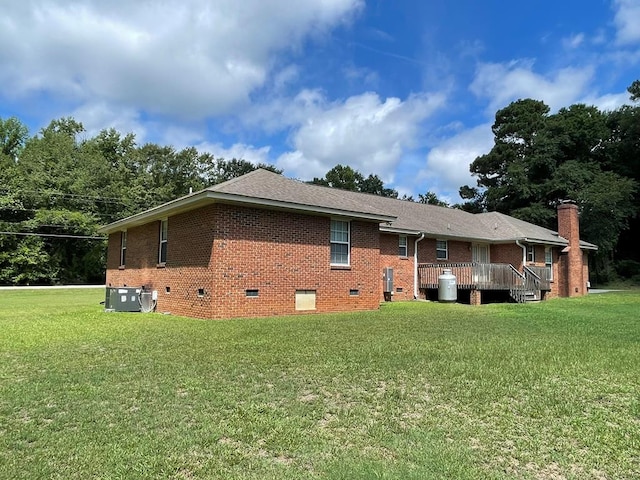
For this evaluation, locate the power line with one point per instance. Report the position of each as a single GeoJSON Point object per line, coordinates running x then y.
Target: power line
{"type": "Point", "coordinates": [71, 195]}
{"type": "Point", "coordinates": [99, 214]}
{"type": "Point", "coordinates": [55, 235]}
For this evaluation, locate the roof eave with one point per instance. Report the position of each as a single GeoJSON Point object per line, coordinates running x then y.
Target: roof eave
{"type": "Point", "coordinates": [537, 241]}
{"type": "Point", "coordinates": [401, 231]}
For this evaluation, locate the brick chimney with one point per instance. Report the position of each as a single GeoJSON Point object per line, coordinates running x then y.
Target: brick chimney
{"type": "Point", "coordinates": [571, 282]}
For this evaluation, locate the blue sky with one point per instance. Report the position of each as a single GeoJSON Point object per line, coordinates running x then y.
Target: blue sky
{"type": "Point", "coordinates": [403, 89]}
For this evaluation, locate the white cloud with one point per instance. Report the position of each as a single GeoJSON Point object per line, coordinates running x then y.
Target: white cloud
{"type": "Point", "coordinates": [192, 58]}
{"type": "Point", "coordinates": [503, 83]}
{"type": "Point", "coordinates": [285, 112]}
{"type": "Point", "coordinates": [361, 76]}
{"type": "Point", "coordinates": [237, 150]}
{"type": "Point", "coordinates": [285, 77]}
{"type": "Point", "coordinates": [99, 116]}
{"type": "Point", "coordinates": [364, 132]}
{"type": "Point", "coordinates": [627, 21]}
{"type": "Point", "coordinates": [607, 102]}
{"type": "Point", "coordinates": [574, 41]}
{"type": "Point", "coordinates": [447, 164]}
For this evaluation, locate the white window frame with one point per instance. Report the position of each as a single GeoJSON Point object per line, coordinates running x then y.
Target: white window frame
{"type": "Point", "coordinates": [531, 253]}
{"type": "Point", "coordinates": [442, 246]}
{"type": "Point", "coordinates": [334, 240]}
{"type": "Point", "coordinates": [403, 246]}
{"type": "Point", "coordinates": [548, 261]}
{"type": "Point", "coordinates": [123, 247]}
{"type": "Point", "coordinates": [162, 244]}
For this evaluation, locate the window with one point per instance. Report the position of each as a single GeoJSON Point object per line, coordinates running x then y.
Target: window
{"type": "Point", "coordinates": [339, 242]}
{"type": "Point", "coordinates": [442, 250]}
{"type": "Point", "coordinates": [123, 248]}
{"type": "Point", "coordinates": [531, 253]}
{"type": "Point", "coordinates": [548, 261]}
{"type": "Point", "coordinates": [162, 255]}
{"type": "Point", "coordinates": [252, 292]}
{"type": "Point", "coordinates": [402, 246]}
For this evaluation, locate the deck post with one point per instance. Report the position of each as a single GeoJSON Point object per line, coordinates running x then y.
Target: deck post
{"type": "Point", "coordinates": [476, 297]}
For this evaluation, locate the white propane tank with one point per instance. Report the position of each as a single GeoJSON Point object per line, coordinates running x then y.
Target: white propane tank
{"type": "Point", "coordinates": [447, 288]}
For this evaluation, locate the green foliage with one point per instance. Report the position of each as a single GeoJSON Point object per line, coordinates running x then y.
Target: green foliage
{"type": "Point", "coordinates": [578, 153]}
{"type": "Point", "coordinates": [346, 178]}
{"type": "Point", "coordinates": [430, 198]}
{"type": "Point", "coordinates": [219, 170]}
{"type": "Point", "coordinates": [58, 184]}
{"type": "Point", "coordinates": [634, 90]}
{"type": "Point", "coordinates": [628, 269]}
{"type": "Point", "coordinates": [25, 261]}
{"type": "Point", "coordinates": [13, 134]}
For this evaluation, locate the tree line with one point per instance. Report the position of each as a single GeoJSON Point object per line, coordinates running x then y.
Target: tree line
{"type": "Point", "coordinates": [580, 153]}
{"type": "Point", "coordinates": [59, 186]}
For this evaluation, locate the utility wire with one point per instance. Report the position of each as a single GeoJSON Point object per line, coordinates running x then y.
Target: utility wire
{"type": "Point", "coordinates": [70, 195]}
{"type": "Point", "coordinates": [55, 235]}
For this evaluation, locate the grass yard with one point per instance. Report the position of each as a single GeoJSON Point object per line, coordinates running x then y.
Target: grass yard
{"type": "Point", "coordinates": [415, 390]}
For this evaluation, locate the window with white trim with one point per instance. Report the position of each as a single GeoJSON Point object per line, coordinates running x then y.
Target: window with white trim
{"type": "Point", "coordinates": [442, 249]}
{"type": "Point", "coordinates": [548, 261]}
{"type": "Point", "coordinates": [531, 253]}
{"type": "Point", "coordinates": [340, 242]}
{"type": "Point", "coordinates": [162, 249]}
{"type": "Point", "coordinates": [123, 247]}
{"type": "Point", "coordinates": [402, 246]}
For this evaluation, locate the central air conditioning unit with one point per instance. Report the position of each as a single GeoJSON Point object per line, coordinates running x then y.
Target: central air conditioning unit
{"type": "Point", "coordinates": [122, 299]}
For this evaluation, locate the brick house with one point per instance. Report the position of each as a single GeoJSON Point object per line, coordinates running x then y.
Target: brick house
{"type": "Point", "coordinates": [262, 244]}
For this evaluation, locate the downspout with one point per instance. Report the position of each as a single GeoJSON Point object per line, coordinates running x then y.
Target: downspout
{"type": "Point", "coordinates": [415, 265]}
{"type": "Point", "coordinates": [524, 253]}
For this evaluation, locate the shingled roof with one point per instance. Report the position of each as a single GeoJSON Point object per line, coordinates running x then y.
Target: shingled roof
{"type": "Point", "coordinates": [266, 189]}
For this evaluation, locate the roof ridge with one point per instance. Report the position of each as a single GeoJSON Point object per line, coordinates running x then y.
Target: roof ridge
{"type": "Point", "coordinates": [233, 180]}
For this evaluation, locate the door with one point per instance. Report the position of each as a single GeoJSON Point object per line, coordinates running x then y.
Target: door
{"type": "Point", "coordinates": [480, 253]}
{"type": "Point", "coordinates": [480, 256]}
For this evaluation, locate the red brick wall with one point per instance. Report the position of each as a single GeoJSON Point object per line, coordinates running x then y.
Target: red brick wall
{"type": "Point", "coordinates": [189, 239]}
{"type": "Point", "coordinates": [226, 250]}
{"type": "Point", "coordinates": [572, 264]}
{"type": "Point", "coordinates": [457, 251]}
{"type": "Point", "coordinates": [403, 267]}
{"type": "Point", "coordinates": [507, 253]}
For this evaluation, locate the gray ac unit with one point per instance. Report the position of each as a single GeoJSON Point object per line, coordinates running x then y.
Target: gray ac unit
{"type": "Point", "coordinates": [122, 299]}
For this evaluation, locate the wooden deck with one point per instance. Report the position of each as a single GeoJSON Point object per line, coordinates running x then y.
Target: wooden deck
{"type": "Point", "coordinates": [522, 286]}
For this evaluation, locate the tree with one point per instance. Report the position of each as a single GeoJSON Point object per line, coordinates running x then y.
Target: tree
{"type": "Point", "coordinates": [346, 178]}
{"type": "Point", "coordinates": [539, 159]}
{"type": "Point", "coordinates": [622, 156]}
{"type": "Point", "coordinates": [510, 171]}
{"type": "Point", "coordinates": [634, 90]}
{"type": "Point", "coordinates": [214, 171]}
{"type": "Point", "coordinates": [24, 261]}
{"type": "Point", "coordinates": [430, 198]}
{"type": "Point", "coordinates": [59, 186]}
{"type": "Point", "coordinates": [342, 177]}
{"type": "Point", "coordinates": [13, 134]}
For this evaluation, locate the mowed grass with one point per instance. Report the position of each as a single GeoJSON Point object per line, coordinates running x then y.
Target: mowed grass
{"type": "Point", "coordinates": [415, 390]}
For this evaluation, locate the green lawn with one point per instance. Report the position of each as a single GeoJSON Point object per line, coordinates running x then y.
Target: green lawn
{"type": "Point", "coordinates": [416, 390]}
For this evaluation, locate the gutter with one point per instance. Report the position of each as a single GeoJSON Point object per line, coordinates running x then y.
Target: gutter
{"type": "Point", "coordinates": [415, 265]}
{"type": "Point", "coordinates": [524, 253]}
